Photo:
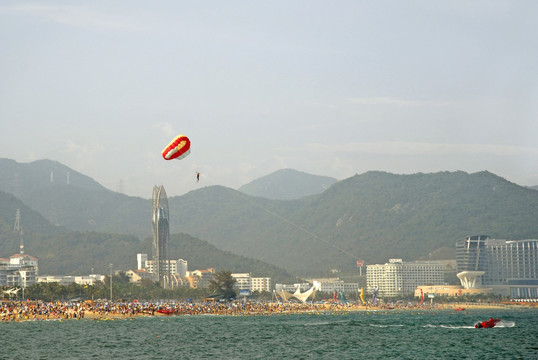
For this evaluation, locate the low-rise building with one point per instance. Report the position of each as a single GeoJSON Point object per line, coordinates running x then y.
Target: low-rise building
{"type": "Point", "coordinates": [245, 282]}
{"type": "Point", "coordinates": [136, 276]}
{"type": "Point", "coordinates": [260, 284]}
{"type": "Point", "coordinates": [19, 270]}
{"type": "Point", "coordinates": [91, 279]}
{"type": "Point", "coordinates": [335, 284]}
{"type": "Point", "coordinates": [329, 285]}
{"type": "Point", "coordinates": [434, 291]}
{"type": "Point", "coordinates": [200, 278]}
{"type": "Point", "coordinates": [177, 267]}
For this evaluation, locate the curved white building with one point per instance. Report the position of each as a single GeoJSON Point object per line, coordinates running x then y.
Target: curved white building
{"type": "Point", "coordinates": [483, 261]}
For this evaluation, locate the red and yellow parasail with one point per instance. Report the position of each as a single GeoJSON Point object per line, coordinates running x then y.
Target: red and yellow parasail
{"type": "Point", "coordinates": [178, 148]}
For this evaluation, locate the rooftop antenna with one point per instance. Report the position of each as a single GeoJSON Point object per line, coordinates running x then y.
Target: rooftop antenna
{"type": "Point", "coordinates": [18, 229]}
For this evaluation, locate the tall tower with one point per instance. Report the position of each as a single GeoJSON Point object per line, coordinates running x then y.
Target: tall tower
{"type": "Point", "coordinates": [17, 228]}
{"type": "Point", "coordinates": [161, 236]}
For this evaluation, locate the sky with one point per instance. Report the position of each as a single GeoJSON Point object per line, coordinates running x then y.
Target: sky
{"type": "Point", "coordinates": [333, 88]}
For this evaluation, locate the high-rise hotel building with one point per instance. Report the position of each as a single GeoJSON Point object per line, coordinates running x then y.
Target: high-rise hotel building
{"type": "Point", "coordinates": [398, 278]}
{"type": "Point", "coordinates": [486, 262]}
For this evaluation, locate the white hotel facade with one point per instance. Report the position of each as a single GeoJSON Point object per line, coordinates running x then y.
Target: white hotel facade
{"type": "Point", "coordinates": [245, 282]}
{"type": "Point", "coordinates": [397, 278]}
{"type": "Point", "coordinates": [177, 267]}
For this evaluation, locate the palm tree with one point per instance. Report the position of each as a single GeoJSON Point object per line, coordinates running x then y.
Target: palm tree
{"type": "Point", "coordinates": [223, 284]}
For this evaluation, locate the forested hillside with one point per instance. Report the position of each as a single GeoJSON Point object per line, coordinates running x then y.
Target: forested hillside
{"type": "Point", "coordinates": [63, 252]}
{"type": "Point", "coordinates": [67, 198]}
{"type": "Point", "coordinates": [373, 216]}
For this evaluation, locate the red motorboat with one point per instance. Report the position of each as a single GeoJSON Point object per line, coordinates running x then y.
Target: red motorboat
{"type": "Point", "coordinates": [487, 324]}
{"type": "Point", "coordinates": [166, 311]}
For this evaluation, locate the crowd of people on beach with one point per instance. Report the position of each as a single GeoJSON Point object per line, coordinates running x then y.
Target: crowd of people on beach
{"type": "Point", "coordinates": [248, 308]}
{"type": "Point", "coordinates": [105, 310]}
{"type": "Point", "coordinates": [20, 310]}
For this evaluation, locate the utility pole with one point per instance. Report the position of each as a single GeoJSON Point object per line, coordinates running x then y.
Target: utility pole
{"type": "Point", "coordinates": [110, 282]}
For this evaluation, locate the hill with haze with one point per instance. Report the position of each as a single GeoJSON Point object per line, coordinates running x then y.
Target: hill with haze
{"type": "Point", "coordinates": [372, 216]}
{"type": "Point", "coordinates": [64, 252]}
{"type": "Point", "coordinates": [287, 184]}
{"type": "Point", "coordinates": [73, 200]}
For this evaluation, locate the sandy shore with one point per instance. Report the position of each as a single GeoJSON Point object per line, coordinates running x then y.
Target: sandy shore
{"type": "Point", "coordinates": [62, 312]}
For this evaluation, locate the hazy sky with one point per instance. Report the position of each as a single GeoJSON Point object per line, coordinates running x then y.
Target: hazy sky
{"type": "Point", "coordinates": [326, 87]}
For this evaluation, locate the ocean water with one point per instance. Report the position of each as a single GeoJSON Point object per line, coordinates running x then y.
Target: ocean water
{"type": "Point", "coordinates": [359, 335]}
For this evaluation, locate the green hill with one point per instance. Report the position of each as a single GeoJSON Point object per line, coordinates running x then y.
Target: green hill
{"type": "Point", "coordinates": [23, 179]}
{"type": "Point", "coordinates": [373, 216]}
{"type": "Point", "coordinates": [61, 251]}
{"type": "Point", "coordinates": [32, 219]}
{"type": "Point", "coordinates": [75, 201]}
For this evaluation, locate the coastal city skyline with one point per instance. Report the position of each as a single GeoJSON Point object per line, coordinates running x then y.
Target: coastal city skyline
{"type": "Point", "coordinates": [344, 179]}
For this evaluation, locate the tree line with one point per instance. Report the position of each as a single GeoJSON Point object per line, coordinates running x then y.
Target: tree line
{"type": "Point", "coordinates": [222, 286]}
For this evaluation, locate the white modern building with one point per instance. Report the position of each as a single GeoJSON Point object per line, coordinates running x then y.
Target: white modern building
{"type": "Point", "coordinates": [397, 278]}
{"type": "Point", "coordinates": [177, 267]}
{"type": "Point", "coordinates": [509, 266]}
{"type": "Point", "coordinates": [331, 285]}
{"type": "Point", "coordinates": [141, 260]}
{"type": "Point", "coordinates": [245, 282]}
{"type": "Point", "coordinates": [260, 284]}
{"type": "Point", "coordinates": [242, 281]}
{"type": "Point", "coordinates": [91, 279]}
{"type": "Point", "coordinates": [18, 270]}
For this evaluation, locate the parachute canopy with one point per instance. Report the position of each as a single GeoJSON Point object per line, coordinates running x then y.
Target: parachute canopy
{"type": "Point", "coordinates": [178, 148]}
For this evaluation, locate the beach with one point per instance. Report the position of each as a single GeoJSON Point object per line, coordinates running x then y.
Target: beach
{"type": "Point", "coordinates": [91, 310]}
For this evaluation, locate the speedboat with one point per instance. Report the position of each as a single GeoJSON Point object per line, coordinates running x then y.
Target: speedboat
{"type": "Point", "coordinates": [487, 324]}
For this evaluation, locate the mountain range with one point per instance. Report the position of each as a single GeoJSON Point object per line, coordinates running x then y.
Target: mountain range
{"type": "Point", "coordinates": [372, 217]}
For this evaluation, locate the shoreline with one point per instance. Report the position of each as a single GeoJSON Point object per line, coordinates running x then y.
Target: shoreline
{"type": "Point", "coordinates": [84, 311]}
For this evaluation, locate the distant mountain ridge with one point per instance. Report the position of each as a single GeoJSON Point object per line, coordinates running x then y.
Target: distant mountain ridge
{"type": "Point", "coordinates": [372, 216]}
{"type": "Point", "coordinates": [287, 184]}
{"type": "Point", "coordinates": [67, 198]}
{"type": "Point", "coordinates": [22, 179]}
{"type": "Point", "coordinates": [64, 252]}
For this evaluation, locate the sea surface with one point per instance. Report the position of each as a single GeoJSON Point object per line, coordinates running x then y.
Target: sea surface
{"type": "Point", "coordinates": [392, 334]}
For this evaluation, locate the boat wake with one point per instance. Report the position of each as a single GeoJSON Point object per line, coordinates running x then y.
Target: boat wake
{"type": "Point", "coordinates": [449, 326]}
{"type": "Point", "coordinates": [317, 323]}
{"type": "Point", "coordinates": [502, 323]}
{"type": "Point", "coordinates": [386, 325]}
{"type": "Point", "coordinates": [505, 323]}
